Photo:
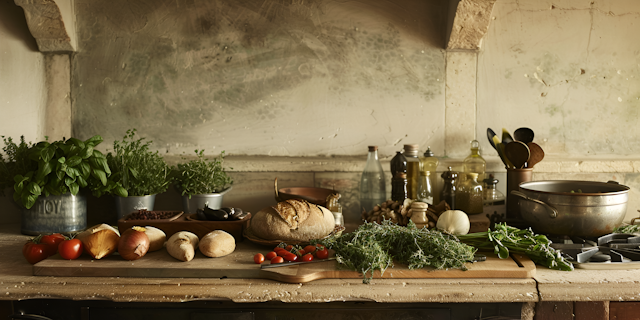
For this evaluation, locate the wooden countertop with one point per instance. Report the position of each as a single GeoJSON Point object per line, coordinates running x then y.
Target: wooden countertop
{"type": "Point", "coordinates": [17, 282]}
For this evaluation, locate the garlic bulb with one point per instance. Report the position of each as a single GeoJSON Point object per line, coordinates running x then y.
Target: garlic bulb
{"type": "Point", "coordinates": [454, 222]}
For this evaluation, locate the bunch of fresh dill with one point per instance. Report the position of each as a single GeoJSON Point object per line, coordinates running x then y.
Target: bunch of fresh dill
{"type": "Point", "coordinates": [374, 247]}
{"type": "Point", "coordinates": [630, 228]}
{"type": "Point", "coordinates": [504, 239]}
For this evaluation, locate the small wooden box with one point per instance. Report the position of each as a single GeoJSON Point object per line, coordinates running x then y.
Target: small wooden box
{"type": "Point", "coordinates": [198, 227]}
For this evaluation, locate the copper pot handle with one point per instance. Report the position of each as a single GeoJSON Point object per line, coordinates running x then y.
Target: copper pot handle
{"type": "Point", "coordinates": [553, 211]}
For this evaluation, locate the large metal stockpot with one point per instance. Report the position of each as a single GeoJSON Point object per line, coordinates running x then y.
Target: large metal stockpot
{"type": "Point", "coordinates": [574, 208]}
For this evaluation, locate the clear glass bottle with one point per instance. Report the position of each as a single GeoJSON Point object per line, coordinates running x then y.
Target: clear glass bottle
{"type": "Point", "coordinates": [448, 192]}
{"type": "Point", "coordinates": [470, 196]}
{"type": "Point", "coordinates": [413, 169]}
{"type": "Point", "coordinates": [474, 163]}
{"type": "Point", "coordinates": [372, 183]}
{"type": "Point", "coordinates": [429, 163]}
{"type": "Point", "coordinates": [425, 188]}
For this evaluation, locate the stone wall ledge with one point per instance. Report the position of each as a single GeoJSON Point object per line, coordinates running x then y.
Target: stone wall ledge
{"type": "Point", "coordinates": [356, 164]}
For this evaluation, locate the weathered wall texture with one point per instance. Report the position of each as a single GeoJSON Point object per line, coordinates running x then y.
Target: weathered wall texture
{"type": "Point", "coordinates": [568, 69]}
{"type": "Point", "coordinates": [22, 82]}
{"type": "Point", "coordinates": [290, 78]}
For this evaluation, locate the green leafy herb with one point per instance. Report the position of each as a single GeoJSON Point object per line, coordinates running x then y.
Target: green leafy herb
{"type": "Point", "coordinates": [374, 247]}
{"type": "Point", "coordinates": [504, 239]}
{"type": "Point", "coordinates": [64, 166]}
{"type": "Point", "coordinates": [202, 175]}
{"type": "Point", "coordinates": [631, 228]}
{"type": "Point", "coordinates": [14, 160]}
{"type": "Point", "coordinates": [140, 171]}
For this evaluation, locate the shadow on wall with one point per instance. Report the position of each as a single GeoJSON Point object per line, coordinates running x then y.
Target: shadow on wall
{"type": "Point", "coordinates": [13, 23]}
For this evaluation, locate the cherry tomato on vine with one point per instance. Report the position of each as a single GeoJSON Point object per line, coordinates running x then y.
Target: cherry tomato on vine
{"type": "Point", "coordinates": [288, 248]}
{"type": "Point", "coordinates": [70, 249]}
{"type": "Point", "coordinates": [277, 260]}
{"type": "Point", "coordinates": [281, 253]}
{"type": "Point", "coordinates": [51, 241]}
{"type": "Point", "coordinates": [301, 252]}
{"type": "Point", "coordinates": [258, 258]}
{"type": "Point", "coordinates": [35, 252]}
{"type": "Point", "coordinates": [290, 257]}
{"type": "Point", "coordinates": [322, 254]}
{"type": "Point", "coordinates": [309, 249]}
{"type": "Point", "coordinates": [271, 255]}
{"type": "Point", "coordinates": [307, 257]}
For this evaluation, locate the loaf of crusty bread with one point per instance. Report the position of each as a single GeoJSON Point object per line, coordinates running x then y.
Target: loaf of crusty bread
{"type": "Point", "coordinates": [295, 219]}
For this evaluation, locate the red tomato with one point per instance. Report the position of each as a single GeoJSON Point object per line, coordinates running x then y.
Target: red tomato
{"type": "Point", "coordinates": [258, 258]}
{"type": "Point", "coordinates": [322, 254]}
{"type": "Point", "coordinates": [301, 252]}
{"type": "Point", "coordinates": [70, 249]}
{"type": "Point", "coordinates": [288, 248]}
{"type": "Point", "coordinates": [319, 246]}
{"type": "Point", "coordinates": [271, 255]}
{"type": "Point", "coordinates": [309, 249]}
{"type": "Point", "coordinates": [52, 241]}
{"type": "Point", "coordinates": [277, 260]}
{"type": "Point", "coordinates": [290, 257]}
{"type": "Point", "coordinates": [282, 253]}
{"type": "Point", "coordinates": [35, 252]}
{"type": "Point", "coordinates": [307, 257]}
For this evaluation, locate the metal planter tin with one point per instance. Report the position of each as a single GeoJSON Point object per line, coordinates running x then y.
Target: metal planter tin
{"type": "Point", "coordinates": [127, 205]}
{"type": "Point", "coordinates": [64, 213]}
{"type": "Point", "coordinates": [198, 201]}
{"type": "Point", "coordinates": [592, 209]}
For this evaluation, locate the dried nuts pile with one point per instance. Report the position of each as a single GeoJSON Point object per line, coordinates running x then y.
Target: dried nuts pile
{"type": "Point", "coordinates": [421, 213]}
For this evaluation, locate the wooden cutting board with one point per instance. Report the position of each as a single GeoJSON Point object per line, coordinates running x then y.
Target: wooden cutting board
{"type": "Point", "coordinates": [240, 264]}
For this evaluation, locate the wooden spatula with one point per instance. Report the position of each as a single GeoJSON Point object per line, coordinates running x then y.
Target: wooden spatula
{"type": "Point", "coordinates": [518, 153]}
{"type": "Point", "coordinates": [536, 154]}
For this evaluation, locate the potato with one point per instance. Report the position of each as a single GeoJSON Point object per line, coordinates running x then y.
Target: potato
{"type": "Point", "coordinates": [182, 245]}
{"type": "Point", "coordinates": [217, 243]}
{"type": "Point", "coordinates": [157, 238]}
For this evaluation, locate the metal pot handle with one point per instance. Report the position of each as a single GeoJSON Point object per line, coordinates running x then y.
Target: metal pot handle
{"type": "Point", "coordinates": [553, 211]}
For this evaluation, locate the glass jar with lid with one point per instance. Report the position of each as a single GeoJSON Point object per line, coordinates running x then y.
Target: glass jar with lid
{"type": "Point", "coordinates": [475, 163]}
{"type": "Point", "coordinates": [470, 196]}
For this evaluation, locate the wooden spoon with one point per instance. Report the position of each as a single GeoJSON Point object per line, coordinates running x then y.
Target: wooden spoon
{"type": "Point", "coordinates": [536, 154]}
{"type": "Point", "coordinates": [500, 149]}
{"type": "Point", "coordinates": [523, 134]}
{"type": "Point", "coordinates": [518, 153]}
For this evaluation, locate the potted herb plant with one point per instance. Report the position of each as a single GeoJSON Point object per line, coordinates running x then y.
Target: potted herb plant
{"type": "Point", "coordinates": [47, 185]}
{"type": "Point", "coordinates": [202, 182]}
{"type": "Point", "coordinates": [141, 172]}
{"type": "Point", "coordinates": [14, 160]}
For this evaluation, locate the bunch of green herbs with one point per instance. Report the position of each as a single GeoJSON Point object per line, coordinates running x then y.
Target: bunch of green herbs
{"type": "Point", "coordinates": [202, 175]}
{"type": "Point", "coordinates": [374, 247]}
{"type": "Point", "coordinates": [140, 171]}
{"type": "Point", "coordinates": [14, 160]}
{"type": "Point", "coordinates": [504, 239]}
{"type": "Point", "coordinates": [65, 166]}
{"type": "Point", "coordinates": [630, 228]}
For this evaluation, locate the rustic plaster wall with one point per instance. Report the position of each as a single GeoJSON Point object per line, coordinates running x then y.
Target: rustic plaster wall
{"type": "Point", "coordinates": [279, 78]}
{"type": "Point", "coordinates": [22, 81]}
{"type": "Point", "coordinates": [568, 69]}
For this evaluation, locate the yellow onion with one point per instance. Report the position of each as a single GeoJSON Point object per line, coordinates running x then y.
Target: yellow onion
{"type": "Point", "coordinates": [133, 244]}
{"type": "Point", "coordinates": [100, 240]}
